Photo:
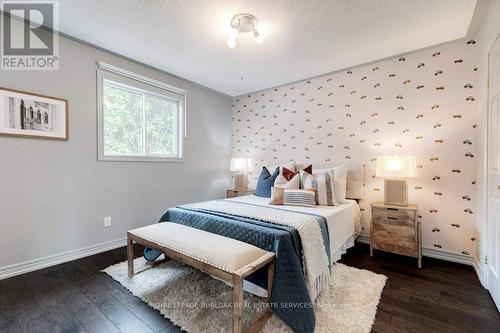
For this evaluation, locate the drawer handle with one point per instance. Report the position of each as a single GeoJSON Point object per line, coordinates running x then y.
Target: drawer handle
{"type": "Point", "coordinates": [396, 209]}
{"type": "Point", "coordinates": [392, 218]}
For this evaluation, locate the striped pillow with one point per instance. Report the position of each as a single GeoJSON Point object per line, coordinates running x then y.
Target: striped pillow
{"type": "Point", "coordinates": [323, 185]}
{"type": "Point", "coordinates": [299, 198]}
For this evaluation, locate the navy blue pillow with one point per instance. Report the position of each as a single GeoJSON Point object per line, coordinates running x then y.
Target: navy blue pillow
{"type": "Point", "coordinates": [265, 182]}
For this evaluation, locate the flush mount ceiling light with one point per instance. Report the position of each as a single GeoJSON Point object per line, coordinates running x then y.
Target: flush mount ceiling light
{"type": "Point", "coordinates": [243, 23]}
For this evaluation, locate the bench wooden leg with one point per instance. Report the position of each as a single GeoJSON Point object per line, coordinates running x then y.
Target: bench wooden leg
{"type": "Point", "coordinates": [258, 323]}
{"type": "Point", "coordinates": [237, 303]}
{"type": "Point", "coordinates": [130, 256]}
{"type": "Point", "coordinates": [270, 280]}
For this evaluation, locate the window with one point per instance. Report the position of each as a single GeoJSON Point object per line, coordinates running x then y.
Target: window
{"type": "Point", "coordinates": [140, 119]}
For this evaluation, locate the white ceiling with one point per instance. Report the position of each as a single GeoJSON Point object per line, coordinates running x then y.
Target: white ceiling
{"type": "Point", "coordinates": [307, 38]}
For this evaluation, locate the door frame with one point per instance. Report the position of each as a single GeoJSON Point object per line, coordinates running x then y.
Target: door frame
{"type": "Point", "coordinates": [489, 143]}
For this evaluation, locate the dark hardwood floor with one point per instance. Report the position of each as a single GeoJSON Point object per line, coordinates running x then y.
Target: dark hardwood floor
{"type": "Point", "coordinates": [439, 297]}
{"type": "Point", "coordinates": [77, 297]}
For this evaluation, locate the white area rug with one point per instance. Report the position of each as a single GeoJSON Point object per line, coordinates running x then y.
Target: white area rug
{"type": "Point", "coordinates": [196, 302]}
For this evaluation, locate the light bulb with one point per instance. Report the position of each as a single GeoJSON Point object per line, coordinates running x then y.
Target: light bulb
{"type": "Point", "coordinates": [233, 33]}
{"type": "Point", "coordinates": [231, 43]}
{"type": "Point", "coordinates": [394, 165]}
{"type": "Point", "coordinates": [259, 38]}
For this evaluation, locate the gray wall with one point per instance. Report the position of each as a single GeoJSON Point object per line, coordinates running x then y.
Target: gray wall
{"type": "Point", "coordinates": [54, 195]}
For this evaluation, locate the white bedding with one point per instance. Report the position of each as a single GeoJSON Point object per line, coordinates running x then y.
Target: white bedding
{"type": "Point", "coordinates": [343, 221]}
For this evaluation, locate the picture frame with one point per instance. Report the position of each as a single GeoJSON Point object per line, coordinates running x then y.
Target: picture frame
{"type": "Point", "coordinates": [31, 115]}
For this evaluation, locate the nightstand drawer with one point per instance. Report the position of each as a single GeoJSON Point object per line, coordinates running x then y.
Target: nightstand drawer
{"type": "Point", "coordinates": [392, 243]}
{"type": "Point", "coordinates": [393, 221]}
{"type": "Point", "coordinates": [395, 230]}
{"type": "Point", "coordinates": [394, 212]}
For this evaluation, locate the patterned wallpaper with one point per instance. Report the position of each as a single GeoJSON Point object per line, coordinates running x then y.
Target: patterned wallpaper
{"type": "Point", "coordinates": [421, 104]}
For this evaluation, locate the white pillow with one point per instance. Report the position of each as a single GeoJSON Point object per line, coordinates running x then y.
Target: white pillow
{"type": "Point", "coordinates": [293, 183]}
{"type": "Point", "coordinates": [339, 180]}
{"type": "Point", "coordinates": [323, 185]}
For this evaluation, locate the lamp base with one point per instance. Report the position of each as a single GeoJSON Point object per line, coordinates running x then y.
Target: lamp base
{"type": "Point", "coordinates": [395, 192]}
{"type": "Point", "coordinates": [240, 181]}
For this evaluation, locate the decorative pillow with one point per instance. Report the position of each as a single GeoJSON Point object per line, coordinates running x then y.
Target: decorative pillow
{"type": "Point", "coordinates": [265, 182]}
{"type": "Point", "coordinates": [290, 179]}
{"type": "Point", "coordinates": [286, 173]}
{"type": "Point", "coordinates": [308, 169]}
{"type": "Point", "coordinates": [339, 179]}
{"type": "Point", "coordinates": [277, 194]}
{"type": "Point", "coordinates": [323, 185]}
{"type": "Point", "coordinates": [291, 183]}
{"type": "Point", "coordinates": [299, 198]}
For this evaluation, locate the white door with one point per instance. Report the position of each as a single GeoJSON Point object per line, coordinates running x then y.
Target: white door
{"type": "Point", "coordinates": [493, 223]}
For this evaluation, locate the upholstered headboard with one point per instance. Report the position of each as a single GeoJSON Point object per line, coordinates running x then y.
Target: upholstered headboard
{"type": "Point", "coordinates": [355, 177]}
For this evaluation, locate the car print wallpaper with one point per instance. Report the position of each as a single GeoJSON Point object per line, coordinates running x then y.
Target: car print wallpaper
{"type": "Point", "coordinates": [421, 104]}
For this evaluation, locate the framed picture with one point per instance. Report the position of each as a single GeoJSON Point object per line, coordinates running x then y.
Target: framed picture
{"type": "Point", "coordinates": [32, 115]}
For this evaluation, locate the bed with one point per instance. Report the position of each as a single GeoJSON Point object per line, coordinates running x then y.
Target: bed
{"type": "Point", "coordinates": [306, 240]}
{"type": "Point", "coordinates": [343, 219]}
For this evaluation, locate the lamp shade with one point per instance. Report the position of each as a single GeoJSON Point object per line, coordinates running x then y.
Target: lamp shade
{"type": "Point", "coordinates": [397, 166]}
{"type": "Point", "coordinates": [240, 164]}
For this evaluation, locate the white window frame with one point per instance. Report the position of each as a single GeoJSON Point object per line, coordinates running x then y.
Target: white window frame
{"type": "Point", "coordinates": [112, 73]}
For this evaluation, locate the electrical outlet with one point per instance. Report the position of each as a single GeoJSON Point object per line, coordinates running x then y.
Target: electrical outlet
{"type": "Point", "coordinates": [107, 221]}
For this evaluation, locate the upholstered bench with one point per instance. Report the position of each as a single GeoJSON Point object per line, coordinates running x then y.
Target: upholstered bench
{"type": "Point", "coordinates": [225, 258]}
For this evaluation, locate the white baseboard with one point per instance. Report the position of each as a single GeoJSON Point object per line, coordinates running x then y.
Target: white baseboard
{"type": "Point", "coordinates": [363, 239]}
{"type": "Point", "coordinates": [33, 265]}
{"type": "Point", "coordinates": [480, 272]}
{"type": "Point", "coordinates": [436, 253]}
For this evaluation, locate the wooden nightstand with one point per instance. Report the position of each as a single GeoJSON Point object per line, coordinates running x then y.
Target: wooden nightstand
{"type": "Point", "coordinates": [238, 193]}
{"type": "Point", "coordinates": [396, 229]}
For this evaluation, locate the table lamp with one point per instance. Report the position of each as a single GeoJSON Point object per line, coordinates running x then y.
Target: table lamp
{"type": "Point", "coordinates": [240, 167]}
{"type": "Point", "coordinates": [395, 169]}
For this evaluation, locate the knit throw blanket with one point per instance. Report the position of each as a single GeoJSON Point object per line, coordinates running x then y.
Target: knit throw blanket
{"type": "Point", "coordinates": [314, 255]}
